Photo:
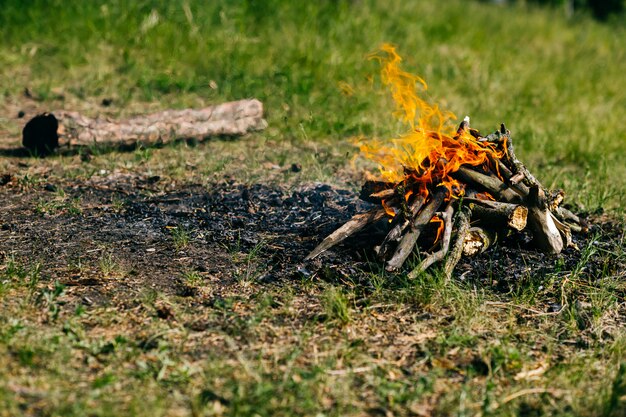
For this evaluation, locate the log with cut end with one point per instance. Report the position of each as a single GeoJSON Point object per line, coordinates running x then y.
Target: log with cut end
{"type": "Point", "coordinates": [498, 214]}
{"type": "Point", "coordinates": [353, 225]}
{"type": "Point", "coordinates": [477, 240]}
{"type": "Point", "coordinates": [226, 119]}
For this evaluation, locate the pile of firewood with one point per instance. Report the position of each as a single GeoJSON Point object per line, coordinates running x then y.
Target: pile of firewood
{"type": "Point", "coordinates": [473, 204]}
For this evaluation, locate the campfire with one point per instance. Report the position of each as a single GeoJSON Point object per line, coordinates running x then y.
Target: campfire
{"type": "Point", "coordinates": [472, 187]}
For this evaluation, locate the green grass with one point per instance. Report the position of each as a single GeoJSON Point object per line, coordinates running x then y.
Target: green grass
{"type": "Point", "coordinates": [405, 347]}
{"type": "Point", "coordinates": [559, 94]}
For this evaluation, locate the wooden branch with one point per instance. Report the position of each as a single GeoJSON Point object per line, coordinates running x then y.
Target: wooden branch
{"type": "Point", "coordinates": [498, 214]}
{"type": "Point", "coordinates": [565, 231]}
{"type": "Point", "coordinates": [546, 235]}
{"type": "Point", "coordinates": [445, 245]}
{"type": "Point", "coordinates": [405, 247]}
{"type": "Point", "coordinates": [508, 176]}
{"type": "Point", "coordinates": [478, 240]}
{"type": "Point", "coordinates": [356, 223]}
{"type": "Point", "coordinates": [489, 183]}
{"type": "Point", "coordinates": [463, 221]}
{"type": "Point", "coordinates": [395, 234]}
{"type": "Point", "coordinates": [230, 119]}
{"type": "Point", "coordinates": [573, 221]}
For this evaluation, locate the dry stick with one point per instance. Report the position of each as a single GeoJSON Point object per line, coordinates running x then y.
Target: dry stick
{"type": "Point", "coordinates": [504, 136]}
{"type": "Point", "coordinates": [463, 221]}
{"type": "Point", "coordinates": [573, 221]}
{"type": "Point", "coordinates": [352, 226]}
{"type": "Point", "coordinates": [498, 214]}
{"type": "Point", "coordinates": [508, 175]}
{"type": "Point", "coordinates": [384, 194]}
{"type": "Point", "coordinates": [516, 164]}
{"type": "Point", "coordinates": [489, 183]}
{"type": "Point", "coordinates": [445, 245]}
{"type": "Point", "coordinates": [231, 118]}
{"type": "Point", "coordinates": [564, 215]}
{"type": "Point", "coordinates": [546, 235]}
{"type": "Point", "coordinates": [395, 233]}
{"type": "Point", "coordinates": [370, 189]}
{"type": "Point", "coordinates": [478, 240]}
{"type": "Point", "coordinates": [565, 231]}
{"type": "Point", "coordinates": [405, 247]}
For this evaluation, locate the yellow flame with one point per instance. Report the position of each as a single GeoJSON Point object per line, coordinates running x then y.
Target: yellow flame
{"type": "Point", "coordinates": [432, 148]}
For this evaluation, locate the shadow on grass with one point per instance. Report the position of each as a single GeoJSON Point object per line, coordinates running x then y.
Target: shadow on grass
{"type": "Point", "coordinates": [108, 147]}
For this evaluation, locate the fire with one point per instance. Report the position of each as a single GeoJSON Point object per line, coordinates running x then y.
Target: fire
{"type": "Point", "coordinates": [432, 148]}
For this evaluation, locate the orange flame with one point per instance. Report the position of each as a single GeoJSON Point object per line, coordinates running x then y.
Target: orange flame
{"type": "Point", "coordinates": [433, 148]}
{"type": "Point", "coordinates": [440, 227]}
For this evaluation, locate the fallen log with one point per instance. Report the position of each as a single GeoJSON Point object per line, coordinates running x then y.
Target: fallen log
{"type": "Point", "coordinates": [45, 132]}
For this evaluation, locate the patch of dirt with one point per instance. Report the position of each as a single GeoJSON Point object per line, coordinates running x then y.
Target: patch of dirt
{"type": "Point", "coordinates": [116, 235]}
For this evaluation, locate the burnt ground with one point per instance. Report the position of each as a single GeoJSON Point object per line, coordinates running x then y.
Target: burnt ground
{"type": "Point", "coordinates": [87, 235]}
{"type": "Point", "coordinates": [202, 290]}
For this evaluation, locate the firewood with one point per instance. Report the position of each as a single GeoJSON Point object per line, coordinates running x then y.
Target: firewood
{"type": "Point", "coordinates": [406, 245]}
{"type": "Point", "coordinates": [565, 231]}
{"type": "Point", "coordinates": [384, 194]}
{"type": "Point", "coordinates": [520, 202]}
{"type": "Point", "coordinates": [478, 240]}
{"type": "Point", "coordinates": [498, 214]}
{"type": "Point", "coordinates": [546, 235]}
{"type": "Point", "coordinates": [401, 224]}
{"type": "Point", "coordinates": [356, 223]}
{"type": "Point", "coordinates": [463, 222]}
{"type": "Point", "coordinates": [227, 119]}
{"type": "Point", "coordinates": [490, 183]}
{"type": "Point", "coordinates": [445, 245]}
{"type": "Point", "coordinates": [508, 176]}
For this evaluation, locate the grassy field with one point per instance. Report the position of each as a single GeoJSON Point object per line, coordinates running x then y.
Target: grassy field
{"type": "Point", "coordinates": [403, 348]}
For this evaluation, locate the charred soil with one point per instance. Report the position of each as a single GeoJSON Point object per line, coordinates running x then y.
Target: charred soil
{"type": "Point", "coordinates": [148, 231]}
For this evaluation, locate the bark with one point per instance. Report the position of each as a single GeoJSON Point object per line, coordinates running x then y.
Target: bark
{"type": "Point", "coordinates": [489, 183]}
{"type": "Point", "coordinates": [229, 119]}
